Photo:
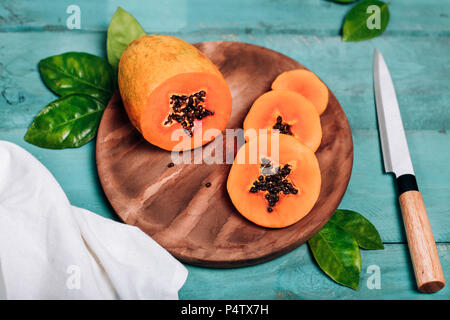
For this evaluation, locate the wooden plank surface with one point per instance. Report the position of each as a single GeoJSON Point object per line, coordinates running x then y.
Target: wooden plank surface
{"type": "Point", "coordinates": [294, 276]}
{"type": "Point", "coordinates": [421, 79]}
{"type": "Point", "coordinates": [416, 46]}
{"type": "Point", "coordinates": [318, 17]}
{"type": "Point", "coordinates": [370, 191]}
{"type": "Point", "coordinates": [214, 237]}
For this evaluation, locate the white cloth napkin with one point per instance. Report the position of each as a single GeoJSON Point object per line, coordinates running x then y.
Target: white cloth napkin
{"type": "Point", "coordinates": [52, 250]}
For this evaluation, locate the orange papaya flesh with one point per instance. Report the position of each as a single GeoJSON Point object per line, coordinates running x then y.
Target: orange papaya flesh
{"type": "Point", "coordinates": [215, 104]}
{"type": "Point", "coordinates": [290, 113]}
{"type": "Point", "coordinates": [172, 92]}
{"type": "Point", "coordinates": [307, 84]}
{"type": "Point", "coordinates": [275, 191]}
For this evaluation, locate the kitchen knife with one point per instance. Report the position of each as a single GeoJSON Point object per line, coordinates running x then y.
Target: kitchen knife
{"type": "Point", "coordinates": [424, 255]}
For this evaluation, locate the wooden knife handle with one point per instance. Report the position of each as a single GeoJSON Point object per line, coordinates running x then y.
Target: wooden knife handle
{"type": "Point", "coordinates": [424, 255]}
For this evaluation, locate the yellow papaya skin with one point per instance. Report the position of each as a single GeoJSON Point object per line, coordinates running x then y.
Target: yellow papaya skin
{"type": "Point", "coordinates": [151, 61]}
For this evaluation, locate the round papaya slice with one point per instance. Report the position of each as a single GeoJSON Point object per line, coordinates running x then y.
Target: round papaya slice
{"type": "Point", "coordinates": [277, 187]}
{"type": "Point", "coordinates": [172, 92]}
{"type": "Point", "coordinates": [290, 113]}
{"type": "Point", "coordinates": [306, 83]}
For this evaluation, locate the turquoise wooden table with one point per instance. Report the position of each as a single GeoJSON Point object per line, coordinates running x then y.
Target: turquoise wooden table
{"type": "Point", "coordinates": [416, 46]}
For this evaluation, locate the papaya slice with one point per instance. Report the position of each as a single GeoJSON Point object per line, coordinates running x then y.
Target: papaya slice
{"type": "Point", "coordinates": [172, 92]}
{"type": "Point", "coordinates": [280, 186]}
{"type": "Point", "coordinates": [290, 113]}
{"type": "Point", "coordinates": [307, 84]}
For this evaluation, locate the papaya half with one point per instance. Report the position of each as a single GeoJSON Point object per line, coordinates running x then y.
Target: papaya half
{"type": "Point", "coordinates": [290, 113]}
{"type": "Point", "coordinates": [280, 187]}
{"type": "Point", "coordinates": [172, 92]}
{"type": "Point", "coordinates": [307, 84]}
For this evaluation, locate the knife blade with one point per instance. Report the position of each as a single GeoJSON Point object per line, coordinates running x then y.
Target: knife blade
{"type": "Point", "coordinates": [392, 135]}
{"type": "Point", "coordinates": [397, 160]}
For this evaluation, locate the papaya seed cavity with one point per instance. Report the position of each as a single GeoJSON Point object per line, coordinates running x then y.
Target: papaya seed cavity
{"type": "Point", "coordinates": [187, 109]}
{"type": "Point", "coordinates": [274, 182]}
{"type": "Point", "coordinates": [282, 126]}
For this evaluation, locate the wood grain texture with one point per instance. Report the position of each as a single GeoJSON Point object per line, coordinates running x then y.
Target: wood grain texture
{"type": "Point", "coordinates": [424, 106]}
{"type": "Point", "coordinates": [199, 225]}
{"type": "Point", "coordinates": [424, 255]}
{"type": "Point", "coordinates": [307, 31]}
{"type": "Point", "coordinates": [23, 94]}
{"type": "Point", "coordinates": [320, 18]}
{"type": "Point", "coordinates": [295, 276]}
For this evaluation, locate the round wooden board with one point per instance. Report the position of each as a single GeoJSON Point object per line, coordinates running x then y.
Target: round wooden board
{"type": "Point", "coordinates": [199, 224]}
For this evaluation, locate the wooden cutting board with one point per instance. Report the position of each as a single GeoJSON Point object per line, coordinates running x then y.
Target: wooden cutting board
{"type": "Point", "coordinates": [186, 207]}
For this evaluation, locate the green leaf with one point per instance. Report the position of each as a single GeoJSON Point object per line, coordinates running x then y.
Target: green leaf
{"type": "Point", "coordinates": [337, 254]}
{"type": "Point", "coordinates": [78, 72]}
{"type": "Point", "coordinates": [68, 122]}
{"type": "Point", "coordinates": [366, 20]}
{"type": "Point", "coordinates": [362, 230]}
{"type": "Point", "coordinates": [122, 29]}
